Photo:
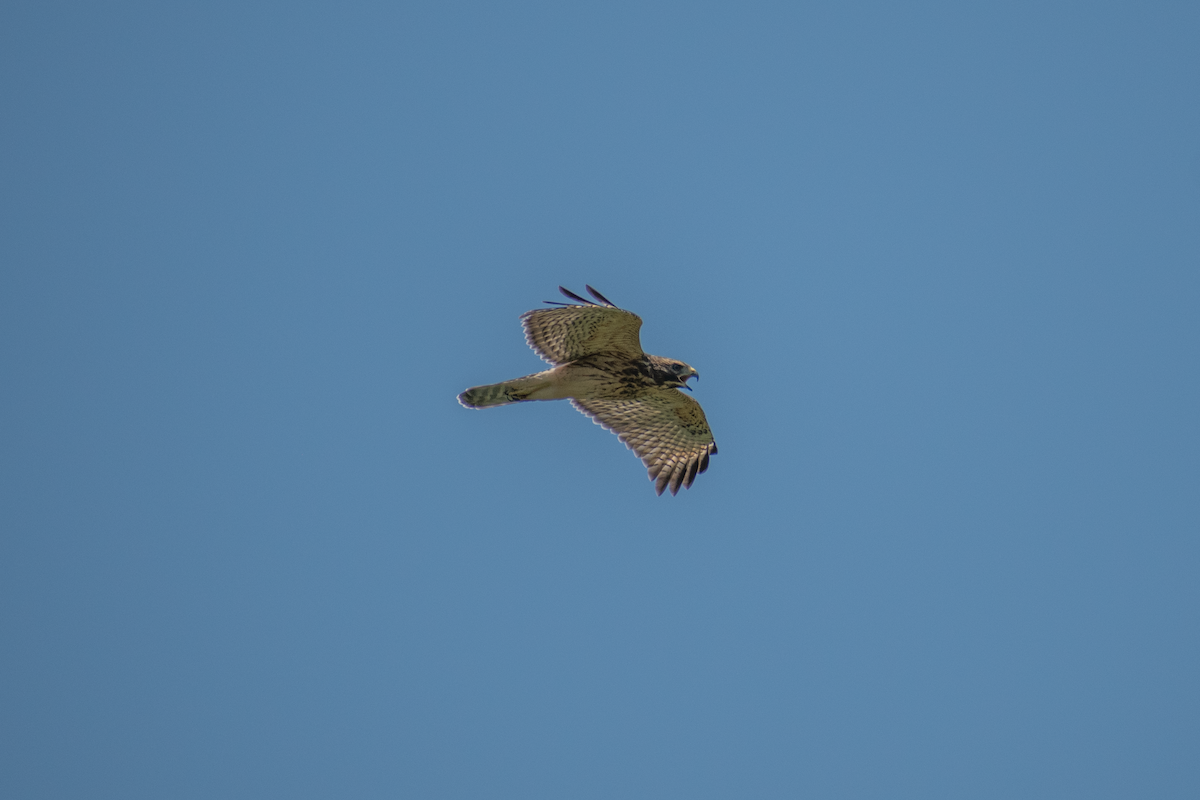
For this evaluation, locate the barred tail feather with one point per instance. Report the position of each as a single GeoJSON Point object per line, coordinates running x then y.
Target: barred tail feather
{"type": "Point", "coordinates": [501, 394]}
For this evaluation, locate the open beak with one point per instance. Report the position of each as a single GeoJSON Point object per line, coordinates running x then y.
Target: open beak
{"type": "Point", "coordinates": [692, 374]}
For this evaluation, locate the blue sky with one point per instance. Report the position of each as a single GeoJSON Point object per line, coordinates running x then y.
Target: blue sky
{"type": "Point", "coordinates": [938, 264]}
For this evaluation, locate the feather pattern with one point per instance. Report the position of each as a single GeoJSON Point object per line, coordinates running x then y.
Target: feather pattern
{"type": "Point", "coordinates": [666, 429]}
{"type": "Point", "coordinates": [561, 335]}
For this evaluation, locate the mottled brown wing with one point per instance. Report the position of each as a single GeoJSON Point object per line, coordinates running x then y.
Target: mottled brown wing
{"type": "Point", "coordinates": [564, 334]}
{"type": "Point", "coordinates": [666, 429]}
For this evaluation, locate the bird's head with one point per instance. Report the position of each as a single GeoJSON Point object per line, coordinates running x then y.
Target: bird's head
{"type": "Point", "coordinates": [679, 374]}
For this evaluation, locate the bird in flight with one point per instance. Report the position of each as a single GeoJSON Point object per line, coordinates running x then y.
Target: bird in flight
{"type": "Point", "coordinates": [598, 364]}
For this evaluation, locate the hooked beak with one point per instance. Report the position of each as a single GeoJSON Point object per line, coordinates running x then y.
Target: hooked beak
{"type": "Point", "coordinates": [692, 374]}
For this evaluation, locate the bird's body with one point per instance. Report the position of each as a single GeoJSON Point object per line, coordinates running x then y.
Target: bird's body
{"type": "Point", "coordinates": [600, 366]}
{"type": "Point", "coordinates": [591, 376]}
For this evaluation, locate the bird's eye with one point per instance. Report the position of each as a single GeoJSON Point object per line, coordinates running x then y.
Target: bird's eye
{"type": "Point", "coordinates": [678, 367]}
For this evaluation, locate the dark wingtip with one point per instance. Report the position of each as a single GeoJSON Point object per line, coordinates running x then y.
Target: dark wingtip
{"type": "Point", "coordinates": [689, 477]}
{"type": "Point", "coordinates": [677, 475]}
{"type": "Point", "coordinates": [568, 293]}
{"type": "Point", "coordinates": [599, 296]}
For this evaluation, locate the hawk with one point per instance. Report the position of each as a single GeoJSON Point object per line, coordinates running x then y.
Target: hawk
{"type": "Point", "coordinates": [599, 365]}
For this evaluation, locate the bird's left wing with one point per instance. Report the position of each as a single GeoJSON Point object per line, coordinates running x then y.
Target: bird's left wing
{"type": "Point", "coordinates": [665, 428]}
{"type": "Point", "coordinates": [560, 335]}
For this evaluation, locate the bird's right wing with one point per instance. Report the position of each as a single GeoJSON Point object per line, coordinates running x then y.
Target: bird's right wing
{"type": "Point", "coordinates": [665, 428]}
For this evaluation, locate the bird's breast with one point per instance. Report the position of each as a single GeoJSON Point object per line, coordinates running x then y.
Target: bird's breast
{"type": "Point", "coordinates": [608, 376]}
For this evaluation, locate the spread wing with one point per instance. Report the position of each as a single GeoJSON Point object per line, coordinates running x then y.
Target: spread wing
{"type": "Point", "coordinates": [559, 335]}
{"type": "Point", "coordinates": [665, 428]}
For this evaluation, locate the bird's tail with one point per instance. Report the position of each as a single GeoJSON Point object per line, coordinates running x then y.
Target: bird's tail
{"type": "Point", "coordinates": [501, 394]}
